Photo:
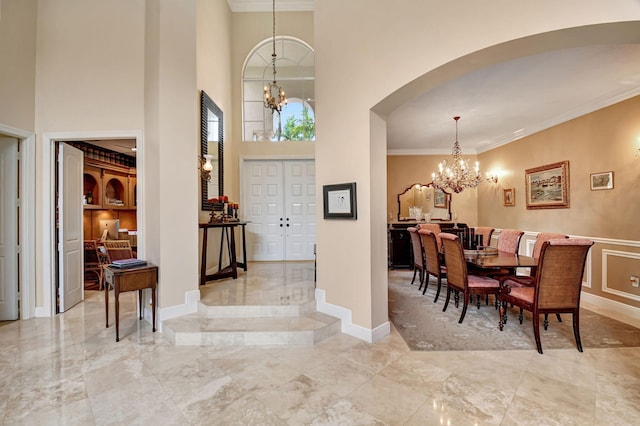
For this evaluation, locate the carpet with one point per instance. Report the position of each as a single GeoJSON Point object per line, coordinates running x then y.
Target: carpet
{"type": "Point", "coordinates": [424, 327]}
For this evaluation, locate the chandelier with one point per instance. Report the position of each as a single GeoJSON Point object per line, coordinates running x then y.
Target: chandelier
{"type": "Point", "coordinates": [274, 97]}
{"type": "Point", "coordinates": [456, 175]}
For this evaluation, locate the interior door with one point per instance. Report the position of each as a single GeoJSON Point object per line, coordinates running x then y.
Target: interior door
{"type": "Point", "coordinates": [8, 229]}
{"type": "Point", "coordinates": [70, 237]}
{"type": "Point", "coordinates": [280, 200]}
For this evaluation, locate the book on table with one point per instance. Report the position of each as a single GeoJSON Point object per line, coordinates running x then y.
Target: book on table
{"type": "Point", "coordinates": [128, 263]}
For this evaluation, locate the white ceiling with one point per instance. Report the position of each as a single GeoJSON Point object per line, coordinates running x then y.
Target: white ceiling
{"type": "Point", "coordinates": [505, 102]}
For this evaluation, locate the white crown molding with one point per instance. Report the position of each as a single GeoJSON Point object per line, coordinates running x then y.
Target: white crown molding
{"type": "Point", "coordinates": [266, 5]}
{"type": "Point", "coordinates": [584, 109]}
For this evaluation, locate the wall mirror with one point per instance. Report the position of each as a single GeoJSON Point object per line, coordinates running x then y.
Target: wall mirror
{"type": "Point", "coordinates": [212, 143]}
{"type": "Point", "coordinates": [428, 199]}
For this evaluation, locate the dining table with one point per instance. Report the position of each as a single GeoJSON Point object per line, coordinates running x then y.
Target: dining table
{"type": "Point", "coordinates": [489, 258]}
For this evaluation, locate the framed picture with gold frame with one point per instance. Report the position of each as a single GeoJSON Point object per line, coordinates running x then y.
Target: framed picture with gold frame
{"type": "Point", "coordinates": [509, 197]}
{"type": "Point", "coordinates": [547, 187]}
{"type": "Point", "coordinates": [440, 199]}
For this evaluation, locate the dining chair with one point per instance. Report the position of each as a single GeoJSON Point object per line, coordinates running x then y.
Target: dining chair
{"type": "Point", "coordinates": [434, 264]}
{"type": "Point", "coordinates": [485, 232]}
{"type": "Point", "coordinates": [509, 240]}
{"type": "Point", "coordinates": [458, 280]}
{"type": "Point", "coordinates": [418, 255]}
{"type": "Point", "coordinates": [556, 287]}
{"type": "Point", "coordinates": [92, 261]}
{"type": "Point", "coordinates": [527, 280]}
{"type": "Point", "coordinates": [435, 228]}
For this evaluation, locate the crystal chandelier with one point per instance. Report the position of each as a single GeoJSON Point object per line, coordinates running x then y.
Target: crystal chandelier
{"type": "Point", "coordinates": [456, 175]}
{"type": "Point", "coordinates": [274, 97]}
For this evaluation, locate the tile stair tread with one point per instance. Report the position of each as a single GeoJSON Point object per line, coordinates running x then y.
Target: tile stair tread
{"type": "Point", "coordinates": [197, 323]}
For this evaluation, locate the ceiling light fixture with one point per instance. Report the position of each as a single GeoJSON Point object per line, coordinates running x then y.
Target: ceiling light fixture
{"type": "Point", "coordinates": [271, 90]}
{"type": "Point", "coordinates": [456, 175]}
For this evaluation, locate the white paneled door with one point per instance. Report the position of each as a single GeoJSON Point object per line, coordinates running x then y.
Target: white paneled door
{"type": "Point", "coordinates": [280, 204]}
{"type": "Point", "coordinates": [8, 229]}
{"type": "Point", "coordinates": [70, 238]}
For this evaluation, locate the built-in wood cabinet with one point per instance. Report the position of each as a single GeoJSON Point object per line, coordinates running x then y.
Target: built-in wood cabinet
{"type": "Point", "coordinates": [133, 192]}
{"type": "Point", "coordinates": [109, 189]}
{"type": "Point", "coordinates": [92, 188]}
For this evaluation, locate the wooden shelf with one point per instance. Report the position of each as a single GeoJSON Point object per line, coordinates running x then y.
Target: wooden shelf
{"type": "Point", "coordinates": [92, 188]}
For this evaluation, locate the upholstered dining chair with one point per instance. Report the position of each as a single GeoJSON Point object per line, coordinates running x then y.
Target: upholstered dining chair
{"type": "Point", "coordinates": [458, 280]}
{"type": "Point", "coordinates": [486, 233]}
{"type": "Point", "coordinates": [419, 265]}
{"type": "Point", "coordinates": [435, 228]}
{"type": "Point", "coordinates": [509, 240]}
{"type": "Point", "coordinates": [527, 281]}
{"type": "Point", "coordinates": [432, 256]}
{"type": "Point", "coordinates": [556, 287]}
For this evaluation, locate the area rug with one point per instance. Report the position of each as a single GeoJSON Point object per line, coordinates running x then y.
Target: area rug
{"type": "Point", "coordinates": [424, 326]}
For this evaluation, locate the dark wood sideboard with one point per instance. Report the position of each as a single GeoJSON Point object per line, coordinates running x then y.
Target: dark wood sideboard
{"type": "Point", "coordinates": [399, 241]}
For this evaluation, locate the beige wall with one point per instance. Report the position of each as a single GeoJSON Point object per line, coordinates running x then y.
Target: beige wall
{"type": "Point", "coordinates": [388, 52]}
{"type": "Point", "coordinates": [606, 140]}
{"type": "Point", "coordinates": [18, 53]}
{"type": "Point", "coordinates": [403, 171]}
{"type": "Point", "coordinates": [127, 65]}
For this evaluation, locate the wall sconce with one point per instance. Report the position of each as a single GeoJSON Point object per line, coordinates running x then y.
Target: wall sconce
{"type": "Point", "coordinates": [492, 177]}
{"type": "Point", "coordinates": [206, 167]}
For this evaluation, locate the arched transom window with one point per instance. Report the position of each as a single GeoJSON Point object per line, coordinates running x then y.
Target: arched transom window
{"type": "Point", "coordinates": [295, 74]}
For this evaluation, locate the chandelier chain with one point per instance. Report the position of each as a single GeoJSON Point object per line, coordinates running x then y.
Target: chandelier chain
{"type": "Point", "coordinates": [274, 96]}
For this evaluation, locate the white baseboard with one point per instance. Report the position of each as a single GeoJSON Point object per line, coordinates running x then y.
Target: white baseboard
{"type": "Point", "coordinates": [190, 306]}
{"type": "Point", "coordinates": [347, 326]}
{"type": "Point", "coordinates": [612, 309]}
{"type": "Point", "coordinates": [42, 312]}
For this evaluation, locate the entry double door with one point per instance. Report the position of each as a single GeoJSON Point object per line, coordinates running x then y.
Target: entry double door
{"type": "Point", "coordinates": [280, 206]}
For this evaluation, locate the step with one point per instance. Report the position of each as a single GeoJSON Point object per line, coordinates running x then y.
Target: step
{"type": "Point", "coordinates": [200, 330]}
{"type": "Point", "coordinates": [257, 311]}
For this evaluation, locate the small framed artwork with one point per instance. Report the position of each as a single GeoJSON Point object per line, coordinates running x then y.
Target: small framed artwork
{"type": "Point", "coordinates": [509, 197]}
{"type": "Point", "coordinates": [340, 201]}
{"type": "Point", "coordinates": [440, 199]}
{"type": "Point", "coordinates": [547, 187]}
{"type": "Point", "coordinates": [603, 180]}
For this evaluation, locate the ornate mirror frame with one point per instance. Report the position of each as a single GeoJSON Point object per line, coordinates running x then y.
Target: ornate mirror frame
{"type": "Point", "coordinates": [428, 203]}
{"type": "Point", "coordinates": [211, 142]}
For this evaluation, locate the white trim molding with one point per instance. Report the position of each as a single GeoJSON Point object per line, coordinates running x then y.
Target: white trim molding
{"type": "Point", "coordinates": [610, 308]}
{"type": "Point", "coordinates": [190, 306]}
{"type": "Point", "coordinates": [347, 326]}
{"type": "Point", "coordinates": [605, 288]}
{"type": "Point", "coordinates": [47, 178]}
{"type": "Point", "coordinates": [27, 219]}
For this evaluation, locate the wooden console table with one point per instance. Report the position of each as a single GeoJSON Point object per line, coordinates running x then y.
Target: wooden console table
{"type": "Point", "coordinates": [130, 279]}
{"type": "Point", "coordinates": [227, 235]}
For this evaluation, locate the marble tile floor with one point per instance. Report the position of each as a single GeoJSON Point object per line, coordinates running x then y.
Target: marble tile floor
{"type": "Point", "coordinates": [68, 370]}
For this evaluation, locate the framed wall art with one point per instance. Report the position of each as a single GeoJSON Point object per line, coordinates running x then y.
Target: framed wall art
{"type": "Point", "coordinates": [547, 187]}
{"type": "Point", "coordinates": [509, 197]}
{"type": "Point", "coordinates": [339, 201]}
{"type": "Point", "coordinates": [602, 180]}
{"type": "Point", "coordinates": [440, 199]}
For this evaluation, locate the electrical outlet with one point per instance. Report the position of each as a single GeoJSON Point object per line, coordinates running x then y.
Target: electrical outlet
{"type": "Point", "coordinates": [634, 280]}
